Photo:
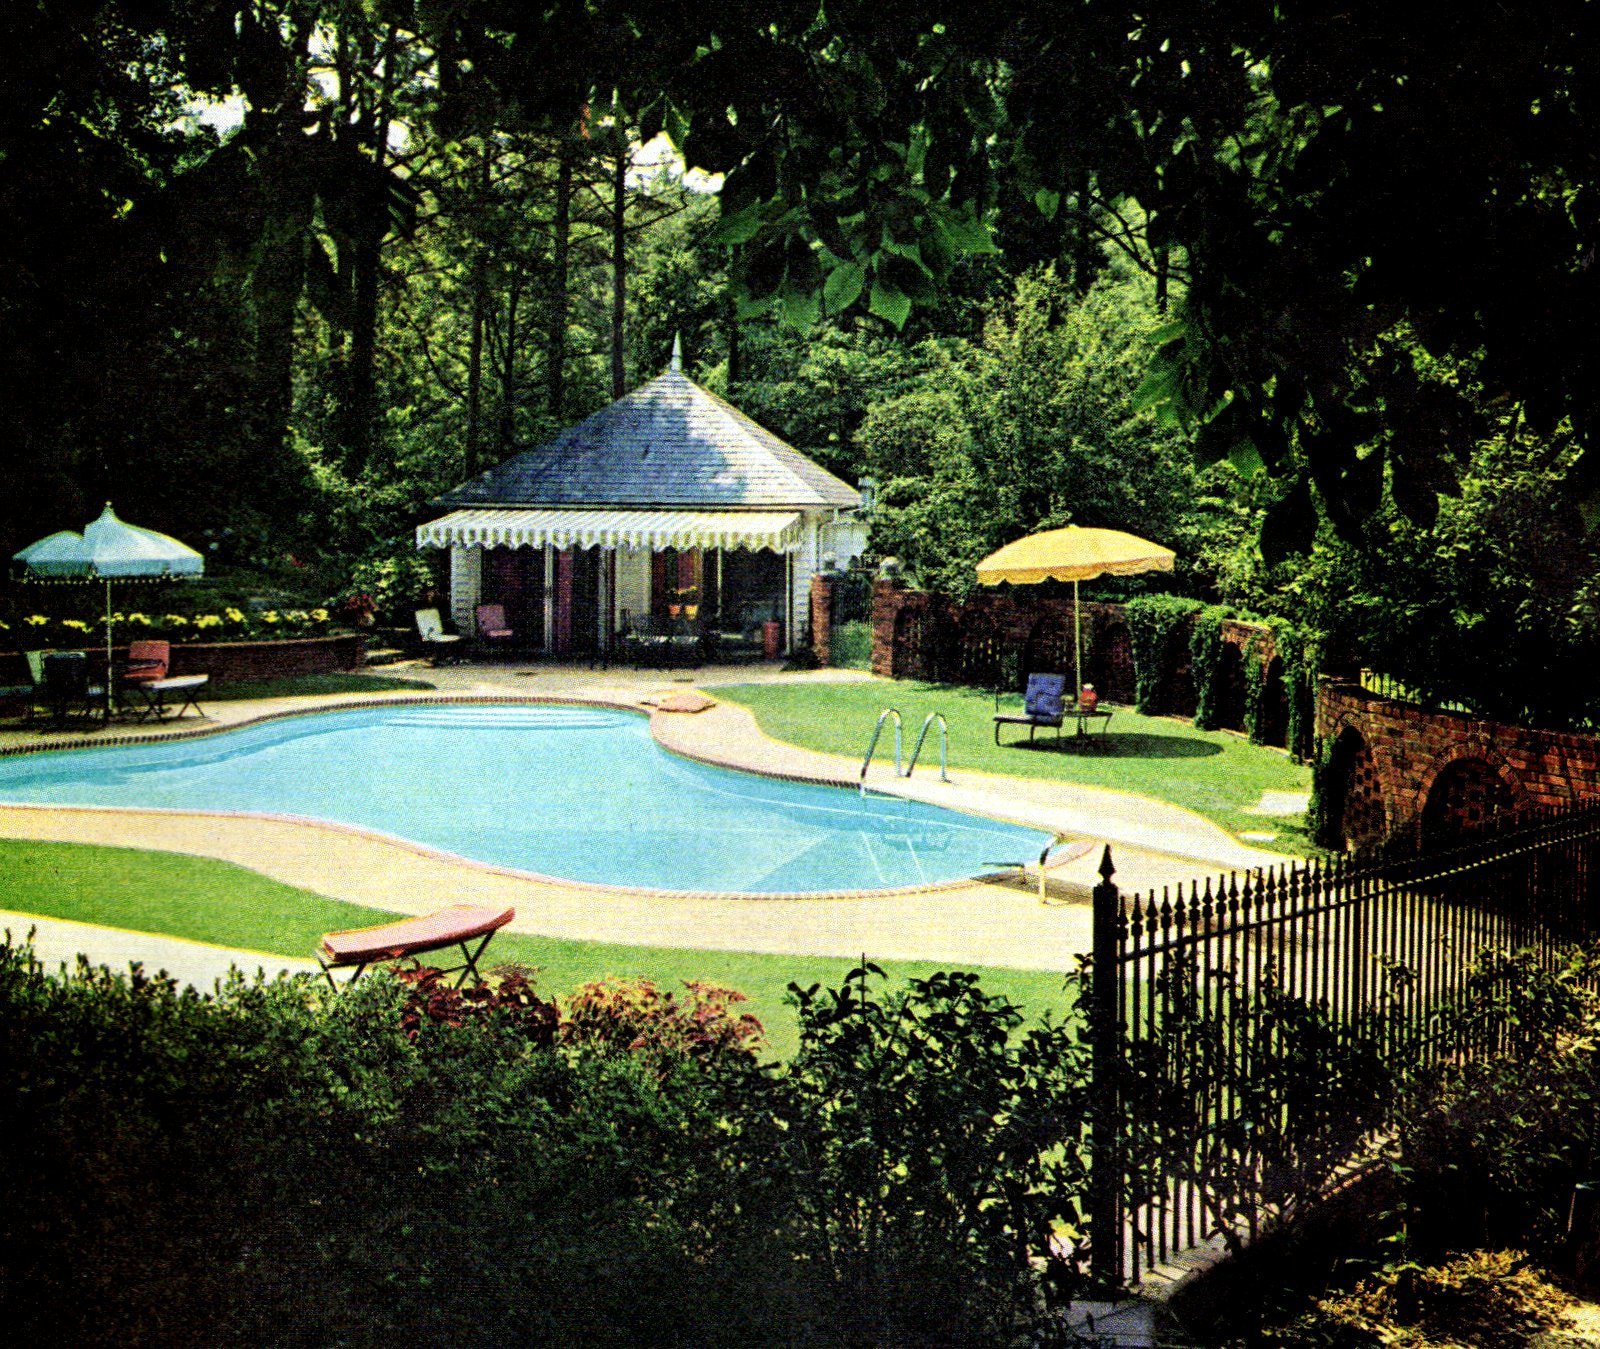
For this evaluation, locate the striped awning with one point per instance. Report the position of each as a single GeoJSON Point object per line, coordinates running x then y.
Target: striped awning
{"type": "Point", "coordinates": [532, 528]}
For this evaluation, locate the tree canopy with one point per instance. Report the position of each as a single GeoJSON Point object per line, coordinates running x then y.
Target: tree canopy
{"type": "Point", "coordinates": [280, 270]}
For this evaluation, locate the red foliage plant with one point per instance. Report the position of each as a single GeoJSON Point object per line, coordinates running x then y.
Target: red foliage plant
{"type": "Point", "coordinates": [636, 1016]}
{"type": "Point", "coordinates": [510, 998]}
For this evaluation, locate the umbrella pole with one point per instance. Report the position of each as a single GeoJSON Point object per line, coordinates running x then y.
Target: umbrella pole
{"type": "Point", "coordinates": [1077, 648]}
{"type": "Point", "coordinates": [108, 651]}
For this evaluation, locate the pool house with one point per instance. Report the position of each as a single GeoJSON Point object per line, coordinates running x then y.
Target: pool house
{"type": "Point", "coordinates": [667, 511]}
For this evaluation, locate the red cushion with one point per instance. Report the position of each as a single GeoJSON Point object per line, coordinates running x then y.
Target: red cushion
{"type": "Point", "coordinates": [412, 936]}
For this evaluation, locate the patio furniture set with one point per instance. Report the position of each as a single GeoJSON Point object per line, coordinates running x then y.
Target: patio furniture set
{"type": "Point", "coordinates": [660, 642]}
{"type": "Point", "coordinates": [1045, 703]}
{"type": "Point", "coordinates": [62, 686]}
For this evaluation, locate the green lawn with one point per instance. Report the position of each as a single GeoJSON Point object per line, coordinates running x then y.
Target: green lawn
{"type": "Point", "coordinates": [211, 901]}
{"type": "Point", "coordinates": [301, 686]}
{"type": "Point", "coordinates": [1214, 773]}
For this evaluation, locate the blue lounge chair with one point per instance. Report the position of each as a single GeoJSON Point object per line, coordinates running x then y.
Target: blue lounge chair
{"type": "Point", "coordinates": [1043, 704]}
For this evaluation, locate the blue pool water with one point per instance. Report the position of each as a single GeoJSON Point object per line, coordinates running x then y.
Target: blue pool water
{"type": "Point", "coordinates": [577, 792]}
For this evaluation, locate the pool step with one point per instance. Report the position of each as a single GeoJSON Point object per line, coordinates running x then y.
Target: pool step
{"type": "Point", "coordinates": [508, 718]}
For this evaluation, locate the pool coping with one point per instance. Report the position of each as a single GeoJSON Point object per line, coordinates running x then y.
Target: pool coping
{"type": "Point", "coordinates": [490, 868]}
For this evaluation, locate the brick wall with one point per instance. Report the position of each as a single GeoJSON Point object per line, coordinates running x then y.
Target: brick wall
{"type": "Point", "coordinates": [919, 635]}
{"type": "Point", "coordinates": [1433, 772]}
{"type": "Point", "coordinates": [236, 662]}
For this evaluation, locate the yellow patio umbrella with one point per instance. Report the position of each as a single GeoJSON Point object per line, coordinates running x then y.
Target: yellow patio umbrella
{"type": "Point", "coordinates": [1074, 554]}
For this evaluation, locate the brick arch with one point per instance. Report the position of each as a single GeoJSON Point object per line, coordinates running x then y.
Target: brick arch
{"type": "Point", "coordinates": [1231, 693]}
{"type": "Point", "coordinates": [1110, 663]}
{"type": "Point", "coordinates": [1464, 789]}
{"type": "Point", "coordinates": [1272, 712]}
{"type": "Point", "coordinates": [1048, 649]}
{"type": "Point", "coordinates": [1358, 815]}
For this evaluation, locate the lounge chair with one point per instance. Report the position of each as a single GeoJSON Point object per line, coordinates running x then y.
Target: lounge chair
{"type": "Point", "coordinates": [411, 937]}
{"type": "Point", "coordinates": [1043, 704]}
{"type": "Point", "coordinates": [493, 629]}
{"type": "Point", "coordinates": [442, 647]}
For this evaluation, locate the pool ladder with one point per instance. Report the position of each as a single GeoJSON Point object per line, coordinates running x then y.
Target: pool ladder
{"type": "Point", "coordinates": [899, 772]}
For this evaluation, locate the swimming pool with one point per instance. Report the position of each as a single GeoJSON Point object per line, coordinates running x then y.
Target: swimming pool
{"type": "Point", "coordinates": [581, 793]}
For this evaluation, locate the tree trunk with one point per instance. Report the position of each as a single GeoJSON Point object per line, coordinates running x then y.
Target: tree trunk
{"type": "Point", "coordinates": [619, 263]}
{"type": "Point", "coordinates": [372, 224]}
{"type": "Point", "coordinates": [508, 367]}
{"type": "Point", "coordinates": [561, 229]}
{"type": "Point", "coordinates": [735, 356]}
{"type": "Point", "coordinates": [480, 301]}
{"type": "Point", "coordinates": [1083, 259]}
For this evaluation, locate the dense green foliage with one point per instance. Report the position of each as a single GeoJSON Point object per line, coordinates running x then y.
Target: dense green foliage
{"type": "Point", "coordinates": [281, 272]}
{"type": "Point", "coordinates": [1157, 625]}
{"type": "Point", "coordinates": [1205, 664]}
{"type": "Point", "coordinates": [402, 1160]}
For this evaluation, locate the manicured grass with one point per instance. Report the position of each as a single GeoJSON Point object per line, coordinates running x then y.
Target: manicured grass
{"type": "Point", "coordinates": [1213, 773]}
{"type": "Point", "coordinates": [301, 686]}
{"type": "Point", "coordinates": [212, 901]}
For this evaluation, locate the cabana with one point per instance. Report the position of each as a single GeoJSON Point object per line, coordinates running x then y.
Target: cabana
{"type": "Point", "coordinates": [669, 506]}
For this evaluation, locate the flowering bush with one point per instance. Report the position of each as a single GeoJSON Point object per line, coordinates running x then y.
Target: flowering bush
{"type": "Point", "coordinates": [231, 624]}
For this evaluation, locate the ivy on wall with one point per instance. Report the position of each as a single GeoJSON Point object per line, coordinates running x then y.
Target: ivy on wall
{"type": "Point", "coordinates": [1156, 623]}
{"type": "Point", "coordinates": [1326, 807]}
{"type": "Point", "coordinates": [1255, 688]}
{"type": "Point", "coordinates": [1205, 665]}
{"type": "Point", "coordinates": [1301, 657]}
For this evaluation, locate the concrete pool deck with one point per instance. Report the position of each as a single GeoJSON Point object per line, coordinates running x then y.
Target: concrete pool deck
{"type": "Point", "coordinates": [993, 923]}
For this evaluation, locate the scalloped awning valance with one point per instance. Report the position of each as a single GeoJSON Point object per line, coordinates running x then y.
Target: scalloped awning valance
{"type": "Point", "coordinates": [778, 531]}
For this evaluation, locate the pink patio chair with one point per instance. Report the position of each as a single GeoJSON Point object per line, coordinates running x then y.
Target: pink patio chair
{"type": "Point", "coordinates": [493, 629]}
{"type": "Point", "coordinates": [147, 660]}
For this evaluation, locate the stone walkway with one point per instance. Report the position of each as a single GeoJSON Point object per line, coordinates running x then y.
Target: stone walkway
{"type": "Point", "coordinates": [994, 923]}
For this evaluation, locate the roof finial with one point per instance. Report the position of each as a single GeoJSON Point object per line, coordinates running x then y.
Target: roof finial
{"type": "Point", "coordinates": [677, 354]}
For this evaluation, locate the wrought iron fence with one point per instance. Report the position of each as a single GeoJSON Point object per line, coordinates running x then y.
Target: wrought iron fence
{"type": "Point", "coordinates": [1249, 1031]}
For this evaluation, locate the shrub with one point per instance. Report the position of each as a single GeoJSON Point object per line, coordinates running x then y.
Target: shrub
{"type": "Point", "coordinates": [1205, 660]}
{"type": "Point", "coordinates": [396, 584]}
{"type": "Point", "coordinates": [850, 646]}
{"type": "Point", "coordinates": [635, 1016]}
{"type": "Point", "coordinates": [933, 1150]}
{"type": "Point", "coordinates": [1490, 1147]}
{"type": "Point", "coordinates": [1490, 1299]}
{"type": "Point", "coordinates": [1156, 625]}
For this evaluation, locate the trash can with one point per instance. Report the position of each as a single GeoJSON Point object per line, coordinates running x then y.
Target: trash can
{"type": "Point", "coordinates": [769, 639]}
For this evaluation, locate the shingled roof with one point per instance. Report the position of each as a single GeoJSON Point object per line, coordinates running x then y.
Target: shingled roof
{"type": "Point", "coordinates": [669, 443]}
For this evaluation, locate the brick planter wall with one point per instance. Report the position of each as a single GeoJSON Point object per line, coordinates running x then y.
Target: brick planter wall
{"type": "Point", "coordinates": [1433, 771]}
{"type": "Point", "coordinates": [236, 662]}
{"type": "Point", "coordinates": [233, 662]}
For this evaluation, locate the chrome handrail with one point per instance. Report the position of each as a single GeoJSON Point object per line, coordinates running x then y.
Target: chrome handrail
{"type": "Point", "coordinates": [1049, 848]}
{"type": "Point", "coordinates": [872, 746]}
{"type": "Point", "coordinates": [944, 745]}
